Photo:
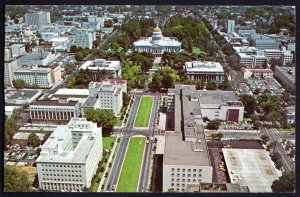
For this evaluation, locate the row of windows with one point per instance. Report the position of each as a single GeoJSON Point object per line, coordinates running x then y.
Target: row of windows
{"type": "Point", "coordinates": [183, 180]}
{"type": "Point", "coordinates": [50, 179]}
{"type": "Point", "coordinates": [188, 170]}
{"type": "Point", "coordinates": [69, 175]}
{"type": "Point", "coordinates": [188, 175]}
{"type": "Point", "coordinates": [60, 170]}
{"type": "Point", "coordinates": [56, 166]}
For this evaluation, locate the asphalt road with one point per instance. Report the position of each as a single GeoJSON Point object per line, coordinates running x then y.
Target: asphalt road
{"type": "Point", "coordinates": [145, 170]}
{"type": "Point", "coordinates": [274, 136]}
{"type": "Point", "coordinates": [117, 164]}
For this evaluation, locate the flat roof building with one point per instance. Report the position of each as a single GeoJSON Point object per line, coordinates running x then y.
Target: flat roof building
{"type": "Point", "coordinates": [70, 156]}
{"type": "Point", "coordinates": [289, 115]}
{"type": "Point", "coordinates": [205, 71]}
{"type": "Point", "coordinates": [286, 75]}
{"type": "Point", "coordinates": [21, 97]}
{"type": "Point", "coordinates": [38, 18]}
{"type": "Point", "coordinates": [101, 68]}
{"type": "Point", "coordinates": [54, 111]}
{"type": "Point", "coordinates": [250, 167]}
{"type": "Point", "coordinates": [186, 159]}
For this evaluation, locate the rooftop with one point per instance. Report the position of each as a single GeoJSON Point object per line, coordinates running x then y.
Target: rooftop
{"type": "Point", "coordinates": [203, 66]}
{"type": "Point", "coordinates": [54, 103]}
{"type": "Point", "coordinates": [20, 94]}
{"type": "Point", "coordinates": [100, 64]}
{"type": "Point", "coordinates": [250, 167]}
{"type": "Point", "coordinates": [66, 91]}
{"type": "Point", "coordinates": [216, 97]}
{"type": "Point", "coordinates": [179, 152]}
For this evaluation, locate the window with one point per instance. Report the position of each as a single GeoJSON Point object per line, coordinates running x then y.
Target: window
{"type": "Point", "coordinates": [178, 170]}
{"type": "Point", "coordinates": [200, 170]}
{"type": "Point", "coordinates": [194, 170]}
{"type": "Point", "coordinates": [199, 175]}
{"type": "Point", "coordinates": [189, 175]}
{"type": "Point", "coordinates": [183, 170]}
{"type": "Point", "coordinates": [172, 180]}
{"type": "Point", "coordinates": [194, 180]}
{"type": "Point", "coordinates": [172, 184]}
{"type": "Point", "coordinates": [183, 185]}
{"type": "Point", "coordinates": [194, 175]}
{"type": "Point", "coordinates": [178, 174]}
{"type": "Point", "coordinates": [183, 175]}
{"type": "Point", "coordinates": [177, 180]}
{"type": "Point", "coordinates": [183, 180]}
{"type": "Point", "coordinates": [189, 180]}
{"type": "Point", "coordinates": [189, 170]}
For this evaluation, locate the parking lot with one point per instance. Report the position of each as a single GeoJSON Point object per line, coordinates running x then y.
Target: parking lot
{"type": "Point", "coordinates": [15, 155]}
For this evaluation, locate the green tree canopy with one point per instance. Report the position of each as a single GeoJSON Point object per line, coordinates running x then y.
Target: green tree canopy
{"type": "Point", "coordinates": [19, 83]}
{"type": "Point", "coordinates": [104, 118]}
{"type": "Point", "coordinates": [213, 124]}
{"type": "Point", "coordinates": [33, 140]}
{"type": "Point", "coordinates": [212, 85]}
{"type": "Point", "coordinates": [285, 183]}
{"type": "Point", "coordinates": [15, 180]}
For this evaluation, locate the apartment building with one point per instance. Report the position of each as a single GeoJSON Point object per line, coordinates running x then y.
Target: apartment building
{"type": "Point", "coordinates": [70, 156]}
{"type": "Point", "coordinates": [36, 59]}
{"type": "Point", "coordinates": [205, 71]}
{"type": "Point", "coordinates": [289, 115]}
{"type": "Point", "coordinates": [230, 26]}
{"type": "Point", "coordinates": [251, 61]}
{"type": "Point", "coordinates": [101, 68]}
{"type": "Point", "coordinates": [262, 42]}
{"type": "Point", "coordinates": [104, 95]}
{"type": "Point", "coordinates": [273, 53]}
{"type": "Point", "coordinates": [34, 75]}
{"type": "Point", "coordinates": [54, 111]}
{"type": "Point", "coordinates": [38, 19]}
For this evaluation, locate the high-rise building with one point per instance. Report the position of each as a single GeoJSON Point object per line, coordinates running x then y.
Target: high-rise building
{"type": "Point", "coordinates": [230, 26]}
{"type": "Point", "coordinates": [9, 68]}
{"type": "Point", "coordinates": [70, 156]}
{"type": "Point", "coordinates": [84, 39]}
{"type": "Point", "coordinates": [39, 19]}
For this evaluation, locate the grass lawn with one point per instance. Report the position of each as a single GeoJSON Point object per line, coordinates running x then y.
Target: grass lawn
{"type": "Point", "coordinates": [107, 142]}
{"type": "Point", "coordinates": [119, 122]}
{"type": "Point", "coordinates": [131, 168]}
{"type": "Point", "coordinates": [143, 115]}
{"type": "Point", "coordinates": [197, 51]}
{"type": "Point", "coordinates": [291, 130]}
{"type": "Point", "coordinates": [95, 183]}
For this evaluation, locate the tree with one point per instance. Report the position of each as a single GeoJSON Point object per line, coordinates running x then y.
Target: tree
{"type": "Point", "coordinates": [19, 83]}
{"type": "Point", "coordinates": [104, 118]}
{"type": "Point", "coordinates": [69, 68]}
{"type": "Point", "coordinates": [277, 159]}
{"type": "Point", "coordinates": [199, 85]}
{"type": "Point", "coordinates": [171, 190]}
{"type": "Point", "coordinates": [213, 124]}
{"type": "Point", "coordinates": [212, 85]}
{"type": "Point", "coordinates": [33, 140]}
{"type": "Point", "coordinates": [285, 183]}
{"type": "Point", "coordinates": [73, 49]}
{"type": "Point", "coordinates": [264, 139]}
{"type": "Point", "coordinates": [15, 180]}
{"type": "Point", "coordinates": [249, 103]}
{"type": "Point", "coordinates": [79, 56]}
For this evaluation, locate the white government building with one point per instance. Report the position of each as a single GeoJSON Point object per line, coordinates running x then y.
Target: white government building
{"type": "Point", "coordinates": [157, 44]}
{"type": "Point", "coordinates": [70, 156]}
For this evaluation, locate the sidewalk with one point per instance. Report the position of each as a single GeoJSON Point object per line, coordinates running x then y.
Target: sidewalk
{"type": "Point", "coordinates": [107, 168]}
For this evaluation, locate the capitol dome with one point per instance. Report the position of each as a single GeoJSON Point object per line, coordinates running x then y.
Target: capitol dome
{"type": "Point", "coordinates": [157, 29]}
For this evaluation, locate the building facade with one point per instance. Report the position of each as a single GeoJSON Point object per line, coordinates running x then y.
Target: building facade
{"type": "Point", "coordinates": [104, 95]}
{"type": "Point", "coordinates": [289, 115]}
{"type": "Point", "coordinates": [102, 68]}
{"type": "Point", "coordinates": [286, 75]}
{"type": "Point", "coordinates": [84, 39]}
{"type": "Point", "coordinates": [157, 44]}
{"type": "Point", "coordinates": [36, 59]}
{"type": "Point", "coordinates": [205, 71]}
{"type": "Point", "coordinates": [34, 75]}
{"type": "Point", "coordinates": [39, 19]}
{"type": "Point", "coordinates": [54, 111]}
{"type": "Point", "coordinates": [17, 50]}
{"type": "Point", "coordinates": [268, 73]}
{"type": "Point", "coordinates": [286, 57]}
{"type": "Point", "coordinates": [230, 26]}
{"type": "Point", "coordinates": [9, 68]}
{"type": "Point", "coordinates": [70, 156]}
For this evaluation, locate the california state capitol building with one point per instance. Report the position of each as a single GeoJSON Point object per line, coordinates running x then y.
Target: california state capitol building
{"type": "Point", "coordinates": [157, 44]}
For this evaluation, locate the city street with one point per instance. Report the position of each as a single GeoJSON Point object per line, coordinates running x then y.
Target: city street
{"type": "Point", "coordinates": [274, 136]}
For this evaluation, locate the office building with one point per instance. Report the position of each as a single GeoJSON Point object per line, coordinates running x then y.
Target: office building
{"type": "Point", "coordinates": [38, 19]}
{"type": "Point", "coordinates": [21, 97]}
{"type": "Point", "coordinates": [273, 53]}
{"type": "Point", "coordinates": [252, 61]}
{"type": "Point", "coordinates": [17, 50]}
{"type": "Point", "coordinates": [244, 30]}
{"type": "Point", "coordinates": [286, 75]}
{"type": "Point", "coordinates": [121, 82]}
{"type": "Point", "coordinates": [157, 44]}
{"type": "Point", "coordinates": [54, 111]}
{"type": "Point", "coordinates": [205, 71]}
{"type": "Point", "coordinates": [36, 59]}
{"type": "Point", "coordinates": [186, 159]}
{"type": "Point", "coordinates": [84, 39]}
{"type": "Point", "coordinates": [34, 75]}
{"type": "Point", "coordinates": [70, 156]}
{"type": "Point", "coordinates": [104, 95]}
{"type": "Point", "coordinates": [230, 26]}
{"type": "Point", "coordinates": [9, 68]}
{"type": "Point", "coordinates": [79, 95]}
{"type": "Point", "coordinates": [262, 42]}
{"type": "Point", "coordinates": [101, 68]}
{"type": "Point", "coordinates": [55, 73]}
{"type": "Point", "coordinates": [286, 57]}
